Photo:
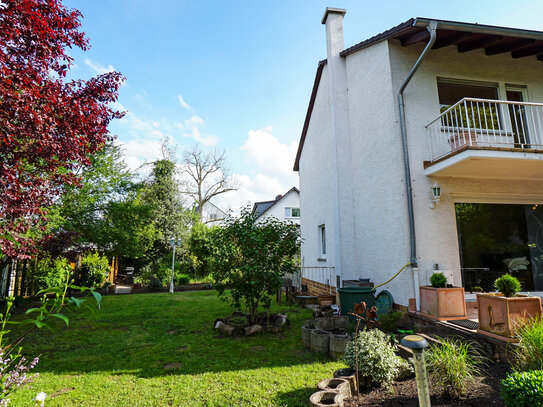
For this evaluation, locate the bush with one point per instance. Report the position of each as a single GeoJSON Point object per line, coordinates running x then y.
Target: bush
{"type": "Point", "coordinates": [51, 273]}
{"type": "Point", "coordinates": [389, 323]}
{"type": "Point", "coordinates": [155, 284]}
{"type": "Point", "coordinates": [453, 366]}
{"type": "Point", "coordinates": [523, 389]}
{"type": "Point", "coordinates": [529, 352]}
{"type": "Point", "coordinates": [377, 359]}
{"type": "Point", "coordinates": [438, 280]}
{"type": "Point", "coordinates": [182, 279]}
{"type": "Point", "coordinates": [93, 271]}
{"type": "Point", "coordinates": [507, 285]}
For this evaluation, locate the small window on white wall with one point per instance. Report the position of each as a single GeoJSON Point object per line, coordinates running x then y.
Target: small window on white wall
{"type": "Point", "coordinates": [322, 241]}
{"type": "Point", "coordinates": [292, 212]}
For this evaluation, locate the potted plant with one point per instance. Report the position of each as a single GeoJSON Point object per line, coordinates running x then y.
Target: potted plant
{"type": "Point", "coordinates": [440, 301]}
{"type": "Point", "coordinates": [500, 313]}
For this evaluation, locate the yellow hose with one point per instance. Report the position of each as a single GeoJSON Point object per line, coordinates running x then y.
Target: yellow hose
{"type": "Point", "coordinates": [388, 281]}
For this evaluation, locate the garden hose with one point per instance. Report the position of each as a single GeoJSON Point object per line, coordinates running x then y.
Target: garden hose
{"type": "Point", "coordinates": [395, 275]}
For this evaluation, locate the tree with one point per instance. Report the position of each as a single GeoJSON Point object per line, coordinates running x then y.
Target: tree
{"type": "Point", "coordinates": [207, 175]}
{"type": "Point", "coordinates": [251, 258]}
{"type": "Point", "coordinates": [49, 127]}
{"type": "Point", "coordinates": [169, 218]}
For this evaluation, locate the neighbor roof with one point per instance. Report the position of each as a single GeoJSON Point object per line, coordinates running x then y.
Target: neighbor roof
{"type": "Point", "coordinates": [465, 36]}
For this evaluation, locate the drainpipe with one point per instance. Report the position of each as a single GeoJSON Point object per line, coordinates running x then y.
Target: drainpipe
{"type": "Point", "coordinates": [432, 26]}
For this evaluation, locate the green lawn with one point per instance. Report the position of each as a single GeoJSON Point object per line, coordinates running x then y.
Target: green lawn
{"type": "Point", "coordinates": [161, 350]}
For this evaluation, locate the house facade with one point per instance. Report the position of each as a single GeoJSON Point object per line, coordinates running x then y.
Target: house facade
{"type": "Point", "coordinates": [211, 213]}
{"type": "Point", "coordinates": [284, 207]}
{"type": "Point", "coordinates": [471, 126]}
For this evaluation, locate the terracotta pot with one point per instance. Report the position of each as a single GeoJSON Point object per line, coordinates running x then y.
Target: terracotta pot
{"type": "Point", "coordinates": [501, 315]}
{"type": "Point", "coordinates": [443, 303]}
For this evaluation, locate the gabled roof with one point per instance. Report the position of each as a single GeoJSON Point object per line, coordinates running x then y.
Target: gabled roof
{"type": "Point", "coordinates": [466, 37]}
{"type": "Point", "coordinates": [260, 207]}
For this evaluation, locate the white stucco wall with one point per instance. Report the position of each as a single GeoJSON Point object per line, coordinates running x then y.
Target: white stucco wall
{"type": "Point", "coordinates": [374, 76]}
{"type": "Point", "coordinates": [290, 200]}
{"type": "Point", "coordinates": [437, 240]}
{"type": "Point", "coordinates": [315, 182]}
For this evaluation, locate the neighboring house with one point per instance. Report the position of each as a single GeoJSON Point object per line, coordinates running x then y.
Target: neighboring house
{"type": "Point", "coordinates": [283, 207]}
{"type": "Point", "coordinates": [211, 213]}
{"type": "Point", "coordinates": [470, 123]}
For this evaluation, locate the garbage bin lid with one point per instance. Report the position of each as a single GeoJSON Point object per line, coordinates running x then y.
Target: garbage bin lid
{"type": "Point", "coordinates": [384, 303]}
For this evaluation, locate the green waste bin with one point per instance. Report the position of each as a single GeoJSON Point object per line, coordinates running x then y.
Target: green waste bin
{"type": "Point", "coordinates": [348, 296]}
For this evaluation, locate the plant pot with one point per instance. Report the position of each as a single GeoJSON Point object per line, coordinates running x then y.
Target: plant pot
{"type": "Point", "coordinates": [326, 398]}
{"type": "Point", "coordinates": [325, 323]}
{"type": "Point", "coordinates": [442, 303]}
{"type": "Point", "coordinates": [306, 335]}
{"type": "Point", "coordinates": [337, 345]}
{"type": "Point", "coordinates": [499, 315]}
{"type": "Point", "coordinates": [338, 385]}
{"type": "Point", "coordinates": [320, 341]}
{"type": "Point", "coordinates": [349, 375]}
{"type": "Point", "coordinates": [340, 322]}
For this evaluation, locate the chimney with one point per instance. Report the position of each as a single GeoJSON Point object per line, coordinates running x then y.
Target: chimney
{"type": "Point", "coordinates": [333, 19]}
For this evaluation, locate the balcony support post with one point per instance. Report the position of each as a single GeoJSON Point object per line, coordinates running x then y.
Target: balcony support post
{"type": "Point", "coordinates": [432, 27]}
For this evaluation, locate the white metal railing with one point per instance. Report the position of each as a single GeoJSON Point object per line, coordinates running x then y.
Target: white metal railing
{"type": "Point", "coordinates": [486, 123]}
{"type": "Point", "coordinates": [324, 275]}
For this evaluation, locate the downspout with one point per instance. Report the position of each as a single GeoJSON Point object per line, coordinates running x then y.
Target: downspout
{"type": "Point", "coordinates": [432, 26]}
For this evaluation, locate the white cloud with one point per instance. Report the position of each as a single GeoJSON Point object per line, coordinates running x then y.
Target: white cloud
{"type": "Point", "coordinates": [272, 162]}
{"type": "Point", "coordinates": [139, 151]}
{"type": "Point", "coordinates": [182, 102]}
{"type": "Point", "coordinates": [207, 140]}
{"type": "Point", "coordinates": [98, 68]}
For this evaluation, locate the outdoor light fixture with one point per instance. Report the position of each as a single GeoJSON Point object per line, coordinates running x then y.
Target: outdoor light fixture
{"type": "Point", "coordinates": [173, 243]}
{"type": "Point", "coordinates": [436, 195]}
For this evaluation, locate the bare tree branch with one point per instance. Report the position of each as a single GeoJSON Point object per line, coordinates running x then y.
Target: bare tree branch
{"type": "Point", "coordinates": [208, 175]}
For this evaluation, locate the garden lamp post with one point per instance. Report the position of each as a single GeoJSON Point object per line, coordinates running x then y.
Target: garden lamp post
{"type": "Point", "coordinates": [174, 243]}
{"type": "Point", "coordinates": [417, 344]}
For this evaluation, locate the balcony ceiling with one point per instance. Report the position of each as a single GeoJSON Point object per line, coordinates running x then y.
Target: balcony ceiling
{"type": "Point", "coordinates": [518, 43]}
{"type": "Point", "coordinates": [480, 162]}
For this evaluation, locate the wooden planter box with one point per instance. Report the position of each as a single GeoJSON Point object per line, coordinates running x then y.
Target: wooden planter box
{"type": "Point", "coordinates": [499, 315]}
{"type": "Point", "coordinates": [442, 303]}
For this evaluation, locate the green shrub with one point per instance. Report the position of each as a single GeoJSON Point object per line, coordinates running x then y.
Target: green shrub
{"type": "Point", "coordinates": [529, 352]}
{"type": "Point", "coordinates": [155, 283]}
{"type": "Point", "coordinates": [507, 285]}
{"type": "Point", "coordinates": [438, 280]}
{"type": "Point", "coordinates": [453, 366]}
{"type": "Point", "coordinates": [93, 271]}
{"type": "Point", "coordinates": [376, 357]}
{"type": "Point", "coordinates": [182, 279]}
{"type": "Point", "coordinates": [389, 323]}
{"type": "Point", "coordinates": [523, 389]}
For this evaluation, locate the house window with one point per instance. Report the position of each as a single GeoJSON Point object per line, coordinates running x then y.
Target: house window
{"type": "Point", "coordinates": [213, 216]}
{"type": "Point", "coordinates": [322, 241]}
{"type": "Point", "coordinates": [478, 115]}
{"type": "Point", "coordinates": [292, 212]}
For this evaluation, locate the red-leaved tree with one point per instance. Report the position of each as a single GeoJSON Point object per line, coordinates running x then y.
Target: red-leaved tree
{"type": "Point", "coordinates": [49, 126]}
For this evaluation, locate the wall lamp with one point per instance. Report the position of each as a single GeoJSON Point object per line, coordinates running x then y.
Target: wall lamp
{"type": "Point", "coordinates": [436, 195]}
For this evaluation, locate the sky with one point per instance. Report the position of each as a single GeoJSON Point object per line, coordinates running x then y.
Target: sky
{"type": "Point", "coordinates": [237, 75]}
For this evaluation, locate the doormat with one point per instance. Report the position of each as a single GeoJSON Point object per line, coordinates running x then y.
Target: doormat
{"type": "Point", "coordinates": [465, 323]}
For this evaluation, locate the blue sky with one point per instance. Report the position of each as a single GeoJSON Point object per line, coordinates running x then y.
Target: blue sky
{"type": "Point", "coordinates": [237, 75]}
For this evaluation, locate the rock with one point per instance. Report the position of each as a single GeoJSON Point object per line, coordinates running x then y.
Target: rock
{"type": "Point", "coordinates": [224, 329]}
{"type": "Point", "coordinates": [280, 321]}
{"type": "Point", "coordinates": [253, 329]}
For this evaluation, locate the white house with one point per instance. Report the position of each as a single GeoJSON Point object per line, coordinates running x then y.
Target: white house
{"type": "Point", "coordinates": [283, 207]}
{"type": "Point", "coordinates": [211, 213]}
{"type": "Point", "coordinates": [454, 105]}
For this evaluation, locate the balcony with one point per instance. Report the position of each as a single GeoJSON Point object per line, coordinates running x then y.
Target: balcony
{"type": "Point", "coordinates": [483, 138]}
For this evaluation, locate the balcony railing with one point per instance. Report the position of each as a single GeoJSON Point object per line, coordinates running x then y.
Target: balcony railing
{"type": "Point", "coordinates": [486, 123]}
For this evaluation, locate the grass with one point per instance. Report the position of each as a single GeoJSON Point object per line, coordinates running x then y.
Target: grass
{"type": "Point", "coordinates": [161, 350]}
{"type": "Point", "coordinates": [453, 366]}
{"type": "Point", "coordinates": [529, 350]}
